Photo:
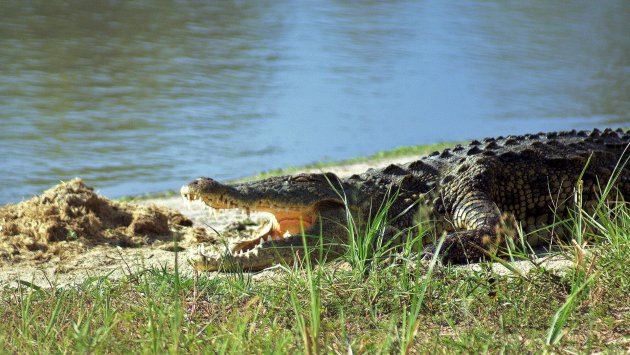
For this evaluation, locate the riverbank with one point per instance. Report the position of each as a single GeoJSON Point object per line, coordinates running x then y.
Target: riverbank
{"type": "Point", "coordinates": [110, 298]}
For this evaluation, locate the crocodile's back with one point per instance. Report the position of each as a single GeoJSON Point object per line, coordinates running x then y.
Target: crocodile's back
{"type": "Point", "coordinates": [535, 181]}
{"type": "Point", "coordinates": [531, 177]}
{"type": "Point", "coordinates": [528, 175]}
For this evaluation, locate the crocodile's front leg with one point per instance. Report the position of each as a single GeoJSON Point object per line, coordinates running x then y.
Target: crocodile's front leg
{"type": "Point", "coordinates": [477, 223]}
{"type": "Point", "coordinates": [471, 219]}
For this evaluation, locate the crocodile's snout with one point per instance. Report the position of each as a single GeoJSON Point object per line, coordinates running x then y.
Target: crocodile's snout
{"type": "Point", "coordinates": [203, 186]}
{"type": "Point", "coordinates": [204, 183]}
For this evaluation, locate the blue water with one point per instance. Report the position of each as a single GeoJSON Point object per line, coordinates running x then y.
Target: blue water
{"type": "Point", "coordinates": [144, 96]}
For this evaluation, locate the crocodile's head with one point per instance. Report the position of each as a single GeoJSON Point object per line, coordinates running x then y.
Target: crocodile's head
{"type": "Point", "coordinates": [305, 205]}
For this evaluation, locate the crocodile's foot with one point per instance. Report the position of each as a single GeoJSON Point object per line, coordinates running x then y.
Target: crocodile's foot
{"type": "Point", "coordinates": [465, 247]}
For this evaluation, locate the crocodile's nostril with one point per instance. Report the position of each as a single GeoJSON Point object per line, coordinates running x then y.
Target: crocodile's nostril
{"type": "Point", "coordinates": [202, 180]}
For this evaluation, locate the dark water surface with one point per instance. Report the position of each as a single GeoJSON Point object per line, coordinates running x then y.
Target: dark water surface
{"type": "Point", "coordinates": [141, 96]}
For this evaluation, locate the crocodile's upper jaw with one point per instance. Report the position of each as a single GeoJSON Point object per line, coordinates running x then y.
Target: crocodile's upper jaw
{"type": "Point", "coordinates": [283, 221]}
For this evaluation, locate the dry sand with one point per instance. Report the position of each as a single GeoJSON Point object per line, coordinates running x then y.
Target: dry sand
{"type": "Point", "coordinates": [70, 234]}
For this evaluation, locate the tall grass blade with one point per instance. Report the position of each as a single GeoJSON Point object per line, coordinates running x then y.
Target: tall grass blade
{"type": "Point", "coordinates": [411, 323]}
{"type": "Point", "coordinates": [555, 333]}
{"type": "Point", "coordinates": [54, 316]}
{"type": "Point", "coordinates": [309, 330]}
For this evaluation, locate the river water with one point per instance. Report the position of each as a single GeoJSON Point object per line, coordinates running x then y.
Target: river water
{"type": "Point", "coordinates": [143, 96]}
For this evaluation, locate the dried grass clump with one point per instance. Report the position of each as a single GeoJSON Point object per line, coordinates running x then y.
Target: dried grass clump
{"type": "Point", "coordinates": [71, 216]}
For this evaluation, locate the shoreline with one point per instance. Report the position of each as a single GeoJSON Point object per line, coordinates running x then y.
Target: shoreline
{"type": "Point", "coordinates": [343, 168]}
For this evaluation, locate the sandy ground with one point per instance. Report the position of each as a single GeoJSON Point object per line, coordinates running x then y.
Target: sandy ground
{"type": "Point", "coordinates": [116, 262]}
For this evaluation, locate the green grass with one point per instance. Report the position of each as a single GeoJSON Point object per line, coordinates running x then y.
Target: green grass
{"type": "Point", "coordinates": [384, 303]}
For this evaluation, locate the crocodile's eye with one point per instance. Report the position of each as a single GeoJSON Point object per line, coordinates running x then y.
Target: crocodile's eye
{"type": "Point", "coordinates": [317, 178]}
{"type": "Point", "coordinates": [301, 178]}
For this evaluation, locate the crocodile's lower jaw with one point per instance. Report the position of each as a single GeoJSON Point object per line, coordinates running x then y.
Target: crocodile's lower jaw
{"type": "Point", "coordinates": [199, 259]}
{"type": "Point", "coordinates": [282, 224]}
{"type": "Point", "coordinates": [254, 260]}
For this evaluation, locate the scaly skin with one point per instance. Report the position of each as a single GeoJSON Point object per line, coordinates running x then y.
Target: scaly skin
{"type": "Point", "coordinates": [467, 190]}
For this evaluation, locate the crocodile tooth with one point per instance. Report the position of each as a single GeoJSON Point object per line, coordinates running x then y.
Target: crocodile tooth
{"type": "Point", "coordinates": [261, 242]}
{"type": "Point", "coordinates": [286, 234]}
{"type": "Point", "coordinates": [269, 238]}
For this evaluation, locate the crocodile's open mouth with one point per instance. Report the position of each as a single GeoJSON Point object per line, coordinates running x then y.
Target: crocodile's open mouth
{"type": "Point", "coordinates": [283, 221]}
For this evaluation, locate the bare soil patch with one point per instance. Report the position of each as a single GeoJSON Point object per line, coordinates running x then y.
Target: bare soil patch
{"type": "Point", "coordinates": [60, 226]}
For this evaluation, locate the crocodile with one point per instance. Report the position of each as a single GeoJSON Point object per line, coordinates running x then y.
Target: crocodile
{"type": "Point", "coordinates": [474, 193]}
